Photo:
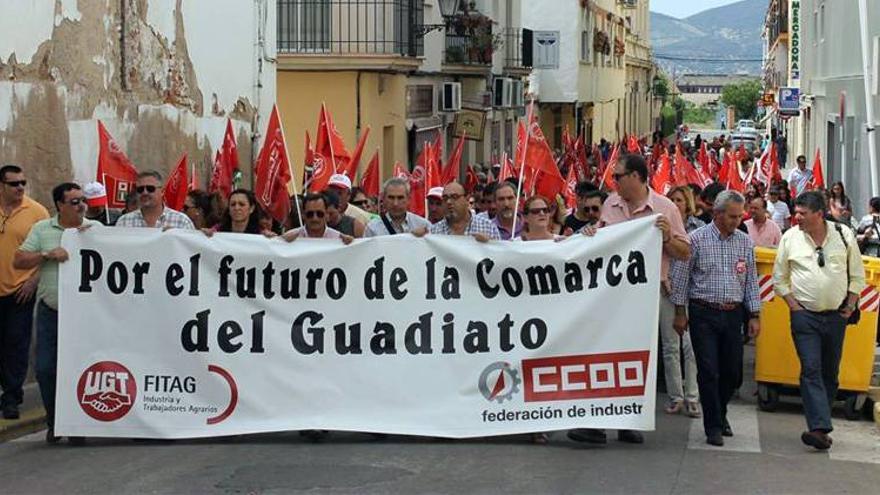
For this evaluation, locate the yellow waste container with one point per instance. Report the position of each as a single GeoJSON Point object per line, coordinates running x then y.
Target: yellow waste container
{"type": "Point", "coordinates": [777, 368]}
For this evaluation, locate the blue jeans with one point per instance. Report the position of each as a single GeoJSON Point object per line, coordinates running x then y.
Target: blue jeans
{"type": "Point", "coordinates": [818, 338]}
{"type": "Point", "coordinates": [15, 341]}
{"type": "Point", "coordinates": [717, 340]}
{"type": "Point", "coordinates": [47, 357]}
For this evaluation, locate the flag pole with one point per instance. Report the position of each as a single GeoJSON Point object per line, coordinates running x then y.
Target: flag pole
{"type": "Point", "coordinates": [107, 206]}
{"type": "Point", "coordinates": [522, 166]}
{"type": "Point", "coordinates": [289, 166]}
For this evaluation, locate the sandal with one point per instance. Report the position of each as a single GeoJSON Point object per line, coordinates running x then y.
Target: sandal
{"type": "Point", "coordinates": [692, 409]}
{"type": "Point", "coordinates": [674, 407]}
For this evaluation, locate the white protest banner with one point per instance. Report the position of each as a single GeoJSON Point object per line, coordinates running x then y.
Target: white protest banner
{"type": "Point", "coordinates": [174, 334]}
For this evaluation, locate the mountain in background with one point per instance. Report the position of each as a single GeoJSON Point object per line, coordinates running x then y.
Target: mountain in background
{"type": "Point", "coordinates": [729, 32]}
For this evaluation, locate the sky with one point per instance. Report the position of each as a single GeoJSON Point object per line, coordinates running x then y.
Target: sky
{"type": "Point", "coordinates": [685, 8]}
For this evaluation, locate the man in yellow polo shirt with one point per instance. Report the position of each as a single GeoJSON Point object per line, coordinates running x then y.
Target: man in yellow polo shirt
{"type": "Point", "coordinates": [819, 274]}
{"type": "Point", "coordinates": [18, 213]}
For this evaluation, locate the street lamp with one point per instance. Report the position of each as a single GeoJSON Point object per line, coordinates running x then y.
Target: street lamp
{"type": "Point", "coordinates": [448, 8]}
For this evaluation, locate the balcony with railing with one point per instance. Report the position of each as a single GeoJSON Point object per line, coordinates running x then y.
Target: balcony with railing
{"type": "Point", "coordinates": [470, 42]}
{"type": "Point", "coordinates": [379, 34]}
{"type": "Point", "coordinates": [515, 60]}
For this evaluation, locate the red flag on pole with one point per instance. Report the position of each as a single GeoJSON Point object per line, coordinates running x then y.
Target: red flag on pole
{"type": "Point", "coordinates": [115, 170]}
{"type": "Point", "coordinates": [350, 167]}
{"type": "Point", "coordinates": [225, 165]}
{"type": "Point", "coordinates": [632, 145]}
{"type": "Point", "coordinates": [570, 185]}
{"type": "Point", "coordinates": [451, 170]}
{"type": "Point", "coordinates": [818, 179]}
{"type": "Point", "coordinates": [608, 181]}
{"type": "Point", "coordinates": [272, 171]}
{"type": "Point", "coordinates": [418, 181]}
{"type": "Point", "coordinates": [329, 143]}
{"type": "Point", "coordinates": [734, 179]}
{"type": "Point", "coordinates": [470, 180]}
{"type": "Point", "coordinates": [174, 194]}
{"type": "Point", "coordinates": [370, 179]}
{"type": "Point", "coordinates": [660, 180]}
{"type": "Point", "coordinates": [399, 171]}
{"type": "Point", "coordinates": [724, 171]}
{"type": "Point", "coordinates": [507, 169]}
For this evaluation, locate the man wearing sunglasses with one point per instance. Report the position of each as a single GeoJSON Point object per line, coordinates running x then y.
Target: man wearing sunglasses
{"type": "Point", "coordinates": [819, 274]}
{"type": "Point", "coordinates": [634, 199]}
{"type": "Point", "coordinates": [42, 249]}
{"type": "Point", "coordinates": [589, 207]}
{"type": "Point", "coordinates": [152, 212]}
{"type": "Point", "coordinates": [315, 216]}
{"type": "Point", "coordinates": [18, 213]}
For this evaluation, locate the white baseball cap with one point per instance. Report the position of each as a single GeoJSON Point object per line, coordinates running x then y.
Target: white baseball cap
{"type": "Point", "coordinates": [95, 194]}
{"type": "Point", "coordinates": [436, 192]}
{"type": "Point", "coordinates": [340, 180]}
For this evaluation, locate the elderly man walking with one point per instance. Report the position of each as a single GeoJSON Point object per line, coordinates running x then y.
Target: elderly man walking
{"type": "Point", "coordinates": [710, 292]}
{"type": "Point", "coordinates": [820, 275]}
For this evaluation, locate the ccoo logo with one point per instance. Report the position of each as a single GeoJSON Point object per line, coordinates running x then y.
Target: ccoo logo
{"type": "Point", "coordinates": [106, 391]}
{"type": "Point", "coordinates": [498, 382]}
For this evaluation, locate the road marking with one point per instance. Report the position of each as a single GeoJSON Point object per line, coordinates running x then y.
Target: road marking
{"type": "Point", "coordinates": [856, 441]}
{"type": "Point", "coordinates": [744, 422]}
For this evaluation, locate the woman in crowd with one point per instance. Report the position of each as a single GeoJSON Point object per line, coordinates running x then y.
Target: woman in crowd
{"type": "Point", "coordinates": [242, 216]}
{"type": "Point", "coordinates": [200, 207]}
{"type": "Point", "coordinates": [557, 216]}
{"type": "Point", "coordinates": [538, 226]}
{"type": "Point", "coordinates": [840, 205]}
{"type": "Point", "coordinates": [682, 397]}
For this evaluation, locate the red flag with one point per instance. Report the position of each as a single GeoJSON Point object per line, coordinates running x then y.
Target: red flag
{"type": "Point", "coordinates": [418, 182]}
{"type": "Point", "coordinates": [539, 156]}
{"type": "Point", "coordinates": [581, 159]}
{"type": "Point", "coordinates": [680, 167]}
{"type": "Point", "coordinates": [370, 179]}
{"type": "Point", "coordinates": [194, 179]}
{"type": "Point", "coordinates": [450, 171]}
{"type": "Point", "coordinates": [225, 165]}
{"type": "Point", "coordinates": [569, 191]}
{"type": "Point", "coordinates": [470, 180]}
{"type": "Point", "coordinates": [329, 143]}
{"type": "Point", "coordinates": [350, 167]}
{"type": "Point", "coordinates": [703, 157]}
{"type": "Point", "coordinates": [734, 179]}
{"type": "Point", "coordinates": [272, 171]}
{"type": "Point", "coordinates": [818, 179]}
{"type": "Point", "coordinates": [608, 181]}
{"type": "Point", "coordinates": [432, 168]}
{"type": "Point", "coordinates": [725, 169]}
{"type": "Point", "coordinates": [507, 169]}
{"type": "Point", "coordinates": [399, 171]}
{"type": "Point", "coordinates": [115, 170]}
{"type": "Point", "coordinates": [632, 145]}
{"type": "Point", "coordinates": [660, 179]}
{"type": "Point", "coordinates": [175, 191]}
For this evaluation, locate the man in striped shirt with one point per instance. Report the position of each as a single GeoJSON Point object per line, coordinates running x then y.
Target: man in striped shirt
{"type": "Point", "coordinates": [710, 292]}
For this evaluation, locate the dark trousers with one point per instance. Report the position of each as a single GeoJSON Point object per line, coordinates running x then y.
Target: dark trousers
{"type": "Point", "coordinates": [47, 357]}
{"type": "Point", "coordinates": [717, 341]}
{"type": "Point", "coordinates": [15, 341]}
{"type": "Point", "coordinates": [818, 338]}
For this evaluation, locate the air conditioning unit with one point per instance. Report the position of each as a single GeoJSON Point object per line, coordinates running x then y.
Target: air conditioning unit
{"type": "Point", "coordinates": [451, 97]}
{"type": "Point", "coordinates": [502, 94]}
{"type": "Point", "coordinates": [518, 94]}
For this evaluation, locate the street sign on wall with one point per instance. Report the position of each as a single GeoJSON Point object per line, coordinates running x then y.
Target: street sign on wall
{"type": "Point", "coordinates": [789, 101]}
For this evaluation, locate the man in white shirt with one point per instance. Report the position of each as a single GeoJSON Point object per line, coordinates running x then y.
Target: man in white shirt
{"type": "Point", "coordinates": [396, 219]}
{"type": "Point", "coordinates": [778, 209]}
{"type": "Point", "coordinates": [800, 177]}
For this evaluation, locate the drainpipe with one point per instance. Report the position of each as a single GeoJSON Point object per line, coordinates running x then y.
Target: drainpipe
{"type": "Point", "coordinates": [869, 102]}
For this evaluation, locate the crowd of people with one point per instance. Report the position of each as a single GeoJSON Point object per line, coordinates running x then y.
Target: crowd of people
{"type": "Point", "coordinates": [708, 277]}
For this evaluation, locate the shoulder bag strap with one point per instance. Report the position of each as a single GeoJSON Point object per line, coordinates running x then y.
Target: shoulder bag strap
{"type": "Point", "coordinates": [388, 225]}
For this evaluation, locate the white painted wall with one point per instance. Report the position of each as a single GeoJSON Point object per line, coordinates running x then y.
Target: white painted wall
{"type": "Point", "coordinates": [221, 37]}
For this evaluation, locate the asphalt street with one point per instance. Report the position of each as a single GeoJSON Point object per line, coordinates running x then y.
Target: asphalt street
{"type": "Point", "coordinates": [764, 456]}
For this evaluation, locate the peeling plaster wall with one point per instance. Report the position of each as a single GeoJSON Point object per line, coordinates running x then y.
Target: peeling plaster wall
{"type": "Point", "coordinates": [163, 76]}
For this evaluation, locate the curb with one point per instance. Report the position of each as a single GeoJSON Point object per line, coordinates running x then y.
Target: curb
{"type": "Point", "coordinates": [31, 421]}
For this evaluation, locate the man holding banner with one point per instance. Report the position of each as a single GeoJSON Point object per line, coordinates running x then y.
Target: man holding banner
{"type": "Point", "coordinates": [634, 199]}
{"type": "Point", "coordinates": [42, 249]}
{"type": "Point", "coordinates": [396, 219]}
{"type": "Point", "coordinates": [459, 219]}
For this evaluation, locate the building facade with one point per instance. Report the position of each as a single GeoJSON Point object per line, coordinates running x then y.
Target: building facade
{"type": "Point", "coordinates": [406, 70]}
{"type": "Point", "coordinates": [834, 101]}
{"type": "Point", "coordinates": [158, 73]}
{"type": "Point", "coordinates": [602, 74]}
{"type": "Point", "coordinates": [706, 89]}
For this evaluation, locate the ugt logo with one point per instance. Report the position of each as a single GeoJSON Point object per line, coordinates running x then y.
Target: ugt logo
{"type": "Point", "coordinates": [106, 391]}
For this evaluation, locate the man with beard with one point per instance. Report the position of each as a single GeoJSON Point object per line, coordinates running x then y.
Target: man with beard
{"type": "Point", "coordinates": [505, 204]}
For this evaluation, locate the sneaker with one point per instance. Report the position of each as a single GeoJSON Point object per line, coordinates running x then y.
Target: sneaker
{"type": "Point", "coordinates": [715, 439]}
{"type": "Point", "coordinates": [692, 409]}
{"type": "Point", "coordinates": [674, 407]}
{"type": "Point", "coordinates": [588, 435]}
